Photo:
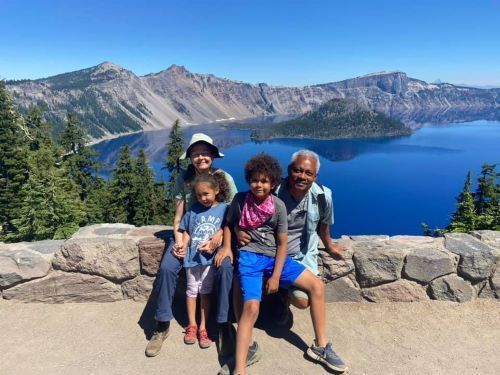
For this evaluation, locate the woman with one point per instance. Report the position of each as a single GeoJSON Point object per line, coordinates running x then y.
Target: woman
{"type": "Point", "coordinates": [201, 151]}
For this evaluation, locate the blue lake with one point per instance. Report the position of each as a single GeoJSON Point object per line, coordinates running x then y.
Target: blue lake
{"type": "Point", "coordinates": [380, 186]}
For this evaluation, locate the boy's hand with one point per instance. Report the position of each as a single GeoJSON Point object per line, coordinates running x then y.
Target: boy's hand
{"type": "Point", "coordinates": [221, 255]}
{"type": "Point", "coordinates": [272, 285]}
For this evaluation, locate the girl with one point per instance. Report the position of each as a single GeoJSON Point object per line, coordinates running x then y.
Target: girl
{"type": "Point", "coordinates": [199, 224]}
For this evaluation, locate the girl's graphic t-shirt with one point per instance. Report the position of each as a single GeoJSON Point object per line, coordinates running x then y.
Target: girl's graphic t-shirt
{"type": "Point", "coordinates": [201, 223]}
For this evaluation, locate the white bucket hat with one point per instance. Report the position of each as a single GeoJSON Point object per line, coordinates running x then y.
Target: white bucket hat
{"type": "Point", "coordinates": [203, 138]}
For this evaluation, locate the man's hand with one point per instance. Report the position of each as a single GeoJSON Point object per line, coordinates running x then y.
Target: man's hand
{"type": "Point", "coordinates": [242, 236]}
{"type": "Point", "coordinates": [221, 255]}
{"type": "Point", "coordinates": [335, 249]}
{"type": "Point", "coordinates": [272, 285]}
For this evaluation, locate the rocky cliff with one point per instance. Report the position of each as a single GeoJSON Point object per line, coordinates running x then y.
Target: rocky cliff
{"type": "Point", "coordinates": [112, 100]}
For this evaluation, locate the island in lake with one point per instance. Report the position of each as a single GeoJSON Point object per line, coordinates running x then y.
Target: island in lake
{"type": "Point", "coordinates": [335, 119]}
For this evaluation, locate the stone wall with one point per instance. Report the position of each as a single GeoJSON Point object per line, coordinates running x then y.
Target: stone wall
{"type": "Point", "coordinates": [111, 262]}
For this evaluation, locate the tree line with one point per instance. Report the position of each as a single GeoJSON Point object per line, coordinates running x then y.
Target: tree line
{"type": "Point", "coordinates": [478, 210]}
{"type": "Point", "coordinates": [50, 186]}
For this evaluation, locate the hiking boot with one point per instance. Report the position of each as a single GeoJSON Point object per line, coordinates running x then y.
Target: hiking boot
{"type": "Point", "coordinates": [226, 340]}
{"type": "Point", "coordinates": [203, 339]}
{"type": "Point", "coordinates": [327, 357]}
{"type": "Point", "coordinates": [253, 356]}
{"type": "Point", "coordinates": [154, 345]}
{"type": "Point", "coordinates": [190, 335]}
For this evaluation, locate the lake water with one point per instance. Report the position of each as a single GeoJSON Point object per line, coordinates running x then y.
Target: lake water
{"type": "Point", "coordinates": [380, 186]}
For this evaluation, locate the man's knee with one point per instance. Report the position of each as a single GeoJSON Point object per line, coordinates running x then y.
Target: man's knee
{"type": "Point", "coordinates": [300, 303]}
{"type": "Point", "coordinates": [226, 266]}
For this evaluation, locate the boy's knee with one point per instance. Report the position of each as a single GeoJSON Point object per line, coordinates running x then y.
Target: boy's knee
{"type": "Point", "coordinates": [318, 288]}
{"type": "Point", "coordinates": [251, 308]}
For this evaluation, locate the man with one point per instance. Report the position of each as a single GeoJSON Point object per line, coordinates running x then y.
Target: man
{"type": "Point", "coordinates": [309, 215]}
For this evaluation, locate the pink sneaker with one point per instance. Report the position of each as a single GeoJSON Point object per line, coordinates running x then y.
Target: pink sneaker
{"type": "Point", "coordinates": [190, 335]}
{"type": "Point", "coordinates": [203, 339]}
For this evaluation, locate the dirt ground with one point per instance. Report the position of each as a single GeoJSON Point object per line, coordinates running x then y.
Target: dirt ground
{"type": "Point", "coordinates": [392, 338]}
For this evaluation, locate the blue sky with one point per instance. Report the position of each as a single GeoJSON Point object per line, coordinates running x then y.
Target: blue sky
{"type": "Point", "coordinates": [279, 42]}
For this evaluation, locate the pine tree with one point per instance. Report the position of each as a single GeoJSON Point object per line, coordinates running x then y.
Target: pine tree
{"type": "Point", "coordinates": [79, 158]}
{"type": "Point", "coordinates": [13, 163]}
{"type": "Point", "coordinates": [122, 189]}
{"type": "Point", "coordinates": [464, 218]}
{"type": "Point", "coordinates": [145, 190]}
{"type": "Point", "coordinates": [487, 197]}
{"type": "Point", "coordinates": [175, 147]}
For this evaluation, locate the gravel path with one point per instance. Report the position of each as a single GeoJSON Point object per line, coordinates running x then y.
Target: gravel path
{"type": "Point", "coordinates": [395, 338]}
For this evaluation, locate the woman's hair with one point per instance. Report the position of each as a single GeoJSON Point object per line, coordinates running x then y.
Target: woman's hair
{"type": "Point", "coordinates": [264, 164]}
{"type": "Point", "coordinates": [216, 180]}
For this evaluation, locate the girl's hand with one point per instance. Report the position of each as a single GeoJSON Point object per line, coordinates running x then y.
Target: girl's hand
{"type": "Point", "coordinates": [272, 285]}
{"type": "Point", "coordinates": [221, 255]}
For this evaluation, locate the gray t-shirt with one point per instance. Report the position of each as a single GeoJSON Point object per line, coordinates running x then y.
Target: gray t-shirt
{"type": "Point", "coordinates": [297, 215]}
{"type": "Point", "coordinates": [263, 239]}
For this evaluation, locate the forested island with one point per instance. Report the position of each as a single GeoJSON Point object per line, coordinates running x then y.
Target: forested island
{"type": "Point", "coordinates": [335, 119]}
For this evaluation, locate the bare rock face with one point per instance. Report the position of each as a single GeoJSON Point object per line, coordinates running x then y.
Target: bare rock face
{"type": "Point", "coordinates": [451, 288]}
{"type": "Point", "coordinates": [377, 263]}
{"type": "Point", "coordinates": [397, 291]}
{"type": "Point", "coordinates": [342, 289]}
{"type": "Point", "coordinates": [138, 288]}
{"type": "Point", "coordinates": [332, 268]}
{"type": "Point", "coordinates": [60, 287]}
{"type": "Point", "coordinates": [114, 259]}
{"type": "Point", "coordinates": [25, 261]}
{"type": "Point", "coordinates": [477, 260]}
{"type": "Point", "coordinates": [426, 264]}
{"type": "Point", "coordinates": [151, 251]}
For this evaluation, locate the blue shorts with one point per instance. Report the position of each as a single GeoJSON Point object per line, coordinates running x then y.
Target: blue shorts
{"type": "Point", "coordinates": [254, 266]}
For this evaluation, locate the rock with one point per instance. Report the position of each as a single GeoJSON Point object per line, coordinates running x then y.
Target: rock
{"type": "Point", "coordinates": [489, 237]}
{"type": "Point", "coordinates": [342, 290]}
{"type": "Point", "coordinates": [138, 288]}
{"type": "Point", "coordinates": [426, 264]}
{"type": "Point", "coordinates": [114, 259]}
{"type": "Point", "coordinates": [151, 251]}
{"type": "Point", "coordinates": [332, 268]}
{"type": "Point", "coordinates": [157, 231]}
{"type": "Point", "coordinates": [477, 260]}
{"type": "Point", "coordinates": [397, 291]}
{"type": "Point", "coordinates": [117, 230]}
{"type": "Point", "coordinates": [25, 261]}
{"type": "Point", "coordinates": [382, 237]}
{"type": "Point", "coordinates": [377, 264]}
{"type": "Point", "coordinates": [495, 283]}
{"type": "Point", "coordinates": [451, 288]}
{"type": "Point", "coordinates": [60, 287]}
{"type": "Point", "coordinates": [484, 290]}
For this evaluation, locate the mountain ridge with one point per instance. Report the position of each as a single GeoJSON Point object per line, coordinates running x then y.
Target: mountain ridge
{"type": "Point", "coordinates": [111, 100]}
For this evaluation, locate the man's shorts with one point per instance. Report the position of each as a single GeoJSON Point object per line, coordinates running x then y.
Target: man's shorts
{"type": "Point", "coordinates": [254, 266]}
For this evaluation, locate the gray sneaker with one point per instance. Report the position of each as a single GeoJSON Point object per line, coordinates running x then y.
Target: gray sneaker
{"type": "Point", "coordinates": [155, 343]}
{"type": "Point", "coordinates": [326, 356]}
{"type": "Point", "coordinates": [253, 356]}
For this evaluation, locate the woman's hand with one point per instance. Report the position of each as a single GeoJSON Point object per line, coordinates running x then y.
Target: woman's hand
{"type": "Point", "coordinates": [221, 255]}
{"type": "Point", "coordinates": [212, 243]}
{"type": "Point", "coordinates": [272, 285]}
{"type": "Point", "coordinates": [179, 251]}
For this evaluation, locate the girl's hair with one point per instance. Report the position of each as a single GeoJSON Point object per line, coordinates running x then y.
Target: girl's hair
{"type": "Point", "coordinates": [216, 180]}
{"type": "Point", "coordinates": [264, 164]}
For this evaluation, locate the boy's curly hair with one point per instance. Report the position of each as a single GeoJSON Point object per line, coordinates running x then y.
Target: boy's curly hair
{"type": "Point", "coordinates": [266, 165]}
{"type": "Point", "coordinates": [216, 180]}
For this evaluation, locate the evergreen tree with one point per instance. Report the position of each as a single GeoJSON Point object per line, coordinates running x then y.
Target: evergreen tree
{"type": "Point", "coordinates": [145, 191]}
{"type": "Point", "coordinates": [487, 197]}
{"type": "Point", "coordinates": [122, 189]}
{"type": "Point", "coordinates": [175, 147]}
{"type": "Point", "coordinates": [464, 218]}
{"type": "Point", "coordinates": [13, 163]}
{"type": "Point", "coordinates": [79, 158]}
{"type": "Point", "coordinates": [51, 207]}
